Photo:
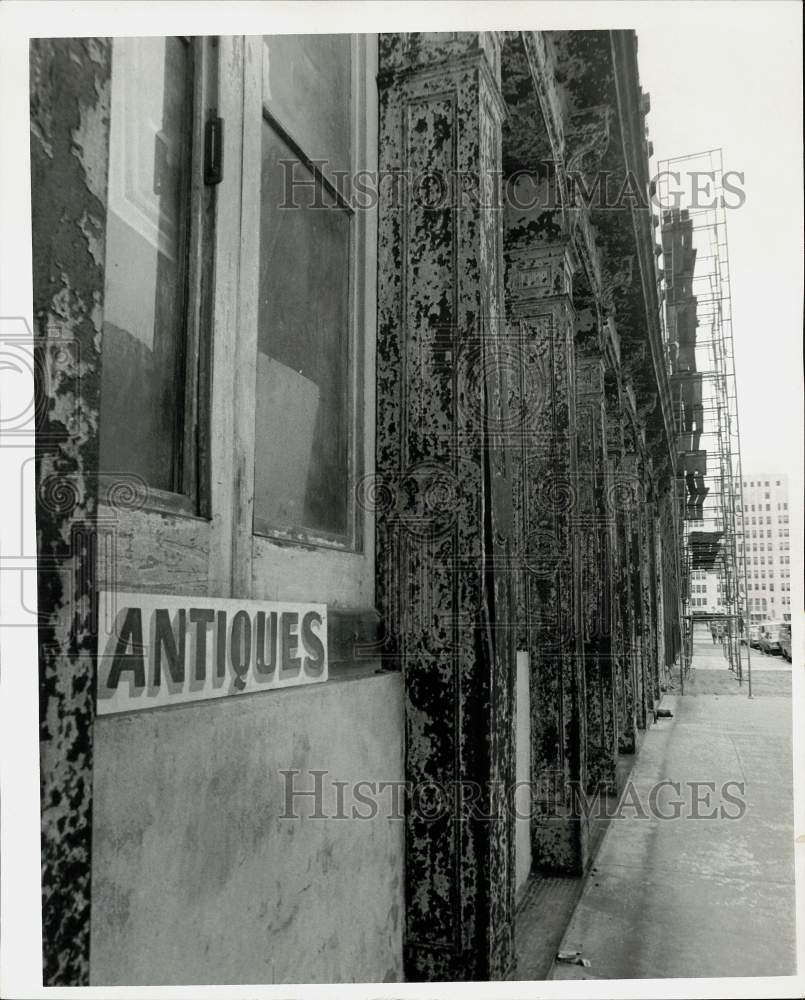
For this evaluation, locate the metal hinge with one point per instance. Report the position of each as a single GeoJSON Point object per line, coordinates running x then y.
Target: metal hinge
{"type": "Point", "coordinates": [214, 151]}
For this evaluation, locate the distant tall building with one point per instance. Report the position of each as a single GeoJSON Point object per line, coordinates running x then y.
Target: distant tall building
{"type": "Point", "coordinates": [765, 542]}
{"type": "Point", "coordinates": [706, 592]}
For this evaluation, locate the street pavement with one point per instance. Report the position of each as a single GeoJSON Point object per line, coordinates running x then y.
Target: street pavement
{"type": "Point", "coordinates": [703, 894]}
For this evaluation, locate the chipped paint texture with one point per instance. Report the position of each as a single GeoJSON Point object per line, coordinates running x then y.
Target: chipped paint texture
{"type": "Point", "coordinates": [440, 396]}
{"type": "Point", "coordinates": [567, 121]}
{"type": "Point", "coordinates": [69, 142]}
{"type": "Point", "coordinates": [523, 473]}
{"type": "Point", "coordinates": [619, 509]}
{"type": "Point", "coordinates": [555, 483]}
{"type": "Point", "coordinates": [596, 575]}
{"type": "Point", "coordinates": [539, 298]}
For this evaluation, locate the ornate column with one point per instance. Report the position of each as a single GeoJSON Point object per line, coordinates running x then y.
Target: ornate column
{"type": "Point", "coordinates": [540, 316]}
{"type": "Point", "coordinates": [651, 601]}
{"type": "Point", "coordinates": [646, 627]}
{"type": "Point", "coordinates": [619, 508]}
{"type": "Point", "coordinates": [666, 542]}
{"type": "Point", "coordinates": [634, 493]}
{"type": "Point", "coordinates": [444, 493]}
{"type": "Point", "coordinates": [627, 598]}
{"type": "Point", "coordinates": [596, 574]}
{"type": "Point", "coordinates": [661, 609]}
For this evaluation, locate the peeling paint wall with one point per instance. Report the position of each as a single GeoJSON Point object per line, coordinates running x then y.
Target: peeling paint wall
{"type": "Point", "coordinates": [440, 392]}
{"type": "Point", "coordinates": [69, 142]}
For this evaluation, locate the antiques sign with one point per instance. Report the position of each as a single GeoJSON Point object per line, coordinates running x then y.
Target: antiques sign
{"type": "Point", "coordinates": [156, 650]}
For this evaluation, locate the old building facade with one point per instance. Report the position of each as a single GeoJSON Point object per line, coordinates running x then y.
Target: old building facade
{"type": "Point", "coordinates": [432, 397]}
{"type": "Point", "coordinates": [766, 546]}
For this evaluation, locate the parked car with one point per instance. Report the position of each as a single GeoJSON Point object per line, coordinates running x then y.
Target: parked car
{"type": "Point", "coordinates": [785, 641]}
{"type": "Point", "coordinates": [754, 636]}
{"type": "Point", "coordinates": [770, 639]}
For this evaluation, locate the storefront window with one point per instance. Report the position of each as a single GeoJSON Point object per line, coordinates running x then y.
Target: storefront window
{"type": "Point", "coordinates": [260, 269]}
{"type": "Point", "coordinates": [144, 306]}
{"type": "Point", "coordinates": [304, 405]}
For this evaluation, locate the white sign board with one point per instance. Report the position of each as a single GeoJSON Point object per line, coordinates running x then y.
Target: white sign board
{"type": "Point", "coordinates": [156, 650]}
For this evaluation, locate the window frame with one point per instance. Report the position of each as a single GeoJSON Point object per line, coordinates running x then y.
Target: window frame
{"type": "Point", "coordinates": [160, 542]}
{"type": "Point", "coordinates": [191, 497]}
{"type": "Point", "coordinates": [359, 259]}
{"type": "Point", "coordinates": [204, 543]}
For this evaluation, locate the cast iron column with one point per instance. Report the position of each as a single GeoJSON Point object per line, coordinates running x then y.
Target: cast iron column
{"type": "Point", "coordinates": [630, 612]}
{"type": "Point", "coordinates": [443, 493]}
{"type": "Point", "coordinates": [596, 575]}
{"type": "Point", "coordinates": [540, 313]}
{"type": "Point", "coordinates": [619, 504]}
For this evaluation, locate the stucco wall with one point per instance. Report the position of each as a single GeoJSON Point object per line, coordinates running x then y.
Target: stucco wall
{"type": "Point", "coordinates": [198, 879]}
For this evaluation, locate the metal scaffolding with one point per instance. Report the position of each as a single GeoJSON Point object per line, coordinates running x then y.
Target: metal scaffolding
{"type": "Point", "coordinates": [698, 331]}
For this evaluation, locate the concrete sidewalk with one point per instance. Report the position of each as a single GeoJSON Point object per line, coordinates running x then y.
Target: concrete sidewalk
{"type": "Point", "coordinates": [699, 897]}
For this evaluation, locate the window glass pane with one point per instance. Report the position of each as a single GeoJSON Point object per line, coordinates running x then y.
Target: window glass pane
{"type": "Point", "coordinates": [306, 87]}
{"type": "Point", "coordinates": [149, 160]}
{"type": "Point", "coordinates": [303, 361]}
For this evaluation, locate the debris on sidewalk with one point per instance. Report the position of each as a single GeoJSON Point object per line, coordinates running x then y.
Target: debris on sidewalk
{"type": "Point", "coordinates": [572, 958]}
{"type": "Point", "coordinates": [664, 713]}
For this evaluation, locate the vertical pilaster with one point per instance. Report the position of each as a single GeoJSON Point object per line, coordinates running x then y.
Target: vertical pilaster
{"type": "Point", "coordinates": [660, 568]}
{"type": "Point", "coordinates": [666, 541]}
{"type": "Point", "coordinates": [596, 574]}
{"type": "Point", "coordinates": [443, 539]}
{"type": "Point", "coordinates": [540, 315]}
{"type": "Point", "coordinates": [634, 514]}
{"type": "Point", "coordinates": [647, 642]}
{"type": "Point", "coordinates": [618, 508]}
{"type": "Point", "coordinates": [655, 608]}
{"type": "Point", "coordinates": [628, 587]}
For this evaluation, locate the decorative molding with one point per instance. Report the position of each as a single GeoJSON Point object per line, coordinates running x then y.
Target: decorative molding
{"type": "Point", "coordinates": [442, 544]}
{"type": "Point", "coordinates": [587, 139]}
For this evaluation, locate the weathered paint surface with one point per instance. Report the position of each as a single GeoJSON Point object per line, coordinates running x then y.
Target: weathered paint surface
{"type": "Point", "coordinates": [596, 584]}
{"type": "Point", "coordinates": [440, 397]}
{"type": "Point", "coordinates": [515, 499]}
{"type": "Point", "coordinates": [197, 878]}
{"type": "Point", "coordinates": [575, 109]}
{"type": "Point", "coordinates": [618, 509]}
{"type": "Point", "coordinates": [566, 486]}
{"type": "Point", "coordinates": [538, 283]}
{"type": "Point", "coordinates": [69, 140]}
